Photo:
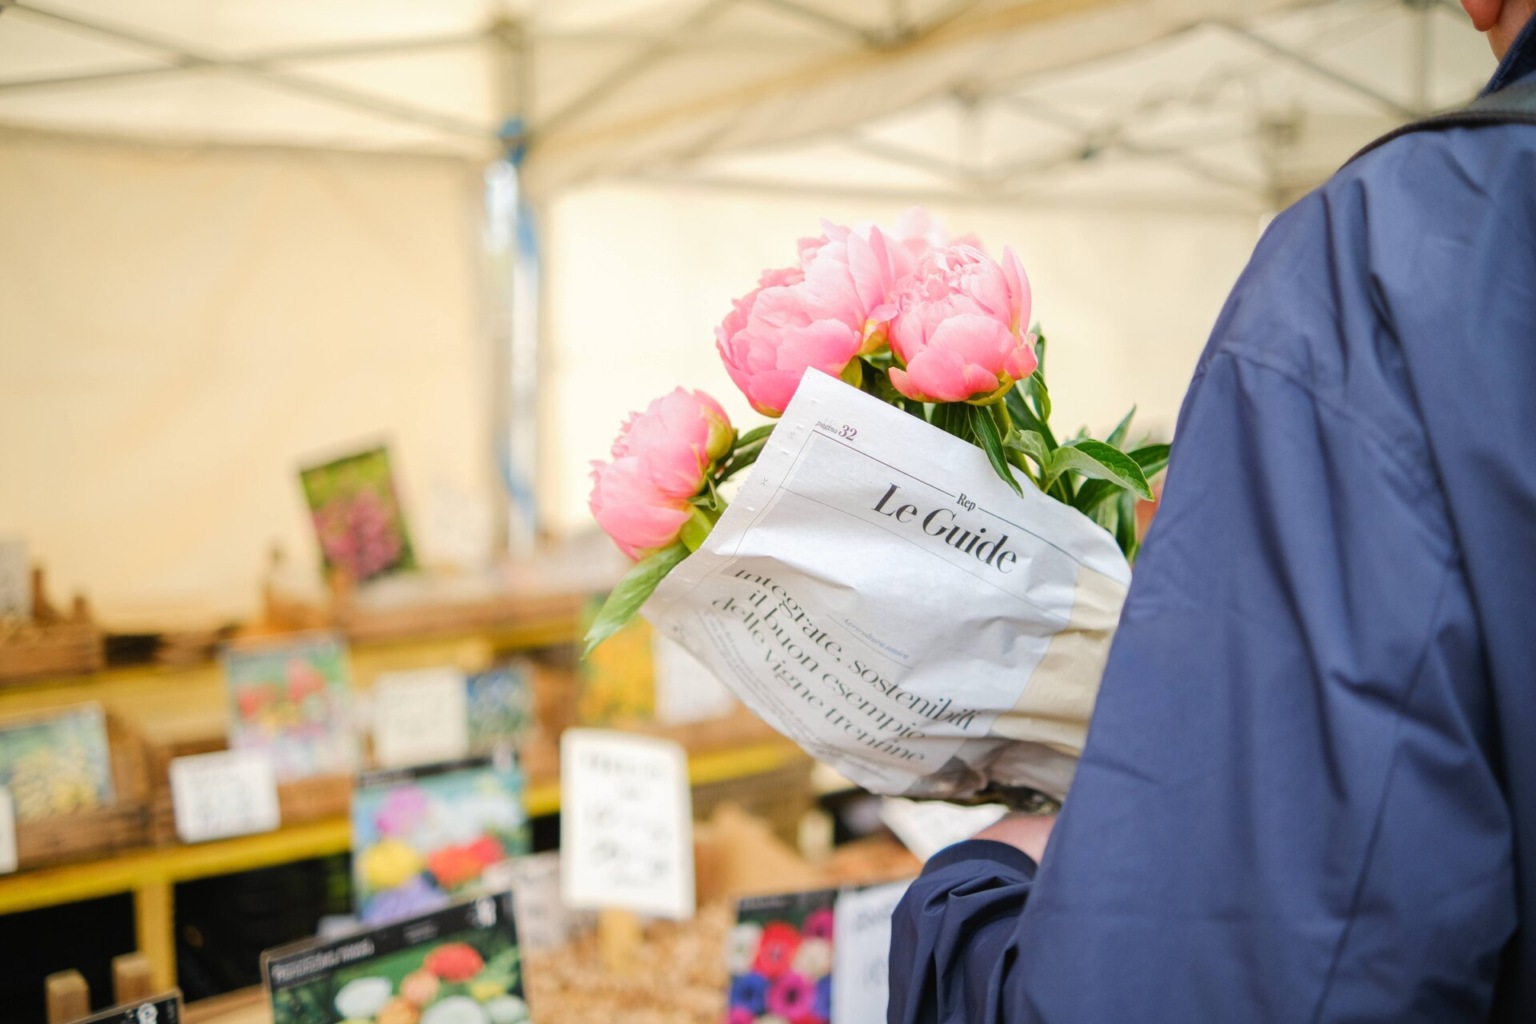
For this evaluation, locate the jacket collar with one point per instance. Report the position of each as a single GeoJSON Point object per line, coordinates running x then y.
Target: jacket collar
{"type": "Point", "coordinates": [1519, 62]}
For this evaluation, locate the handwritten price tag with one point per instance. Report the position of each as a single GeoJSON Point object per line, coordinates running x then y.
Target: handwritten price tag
{"type": "Point", "coordinates": [626, 823]}
{"type": "Point", "coordinates": [420, 717]}
{"type": "Point", "coordinates": [228, 793]}
{"type": "Point", "coordinates": [862, 925]}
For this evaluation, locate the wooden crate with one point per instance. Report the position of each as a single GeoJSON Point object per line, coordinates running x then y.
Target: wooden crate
{"type": "Point", "coordinates": [94, 834]}
{"type": "Point", "coordinates": [50, 643]}
{"type": "Point", "coordinates": [304, 800]}
{"type": "Point", "coordinates": [31, 650]}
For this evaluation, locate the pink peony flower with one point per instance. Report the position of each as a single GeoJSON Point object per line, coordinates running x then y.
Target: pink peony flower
{"type": "Point", "coordinates": [659, 461]}
{"type": "Point", "coordinates": [825, 313]}
{"type": "Point", "coordinates": [960, 327]}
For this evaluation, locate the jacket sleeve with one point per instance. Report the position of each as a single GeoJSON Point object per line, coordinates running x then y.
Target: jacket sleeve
{"type": "Point", "coordinates": [956, 921]}
{"type": "Point", "coordinates": [1285, 810]}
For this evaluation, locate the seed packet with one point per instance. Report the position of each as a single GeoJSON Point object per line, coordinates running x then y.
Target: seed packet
{"type": "Point", "coordinates": [59, 763]}
{"type": "Point", "coordinates": [779, 955]}
{"type": "Point", "coordinates": [785, 951]}
{"type": "Point", "coordinates": [424, 836]}
{"type": "Point", "coordinates": [292, 697]}
{"type": "Point", "coordinates": [459, 965]}
{"type": "Point", "coordinates": [500, 707]}
{"type": "Point", "coordinates": [618, 683]}
{"type": "Point", "coordinates": [162, 1009]}
{"type": "Point", "coordinates": [359, 523]}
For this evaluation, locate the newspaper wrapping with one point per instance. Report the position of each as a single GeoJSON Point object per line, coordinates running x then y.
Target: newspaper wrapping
{"type": "Point", "coordinates": [879, 596]}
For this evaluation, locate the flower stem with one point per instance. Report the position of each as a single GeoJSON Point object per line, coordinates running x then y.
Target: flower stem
{"type": "Point", "coordinates": [1004, 423]}
{"type": "Point", "coordinates": [740, 458]}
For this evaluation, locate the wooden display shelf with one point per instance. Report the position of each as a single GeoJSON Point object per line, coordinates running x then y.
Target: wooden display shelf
{"type": "Point", "coordinates": [150, 875]}
{"type": "Point", "coordinates": [91, 835]}
{"type": "Point", "coordinates": [418, 624]}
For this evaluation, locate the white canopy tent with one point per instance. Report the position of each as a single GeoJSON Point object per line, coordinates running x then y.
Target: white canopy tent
{"type": "Point", "coordinates": [964, 96]}
{"type": "Point", "coordinates": [235, 235]}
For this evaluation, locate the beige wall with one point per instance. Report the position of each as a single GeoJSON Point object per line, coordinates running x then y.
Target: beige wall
{"type": "Point", "coordinates": [178, 329]}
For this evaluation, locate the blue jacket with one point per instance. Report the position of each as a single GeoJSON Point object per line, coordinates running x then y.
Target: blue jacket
{"type": "Point", "coordinates": [1309, 790]}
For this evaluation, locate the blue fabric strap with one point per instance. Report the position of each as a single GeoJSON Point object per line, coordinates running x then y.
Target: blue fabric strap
{"type": "Point", "coordinates": [1514, 105]}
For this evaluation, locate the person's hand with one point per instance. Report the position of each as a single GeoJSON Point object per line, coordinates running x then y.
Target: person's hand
{"type": "Point", "coordinates": [1027, 832]}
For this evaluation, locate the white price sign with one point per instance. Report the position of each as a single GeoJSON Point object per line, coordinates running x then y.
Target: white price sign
{"type": "Point", "coordinates": [861, 951]}
{"type": "Point", "coordinates": [626, 823]}
{"type": "Point", "coordinates": [543, 921]}
{"type": "Point", "coordinates": [228, 793]}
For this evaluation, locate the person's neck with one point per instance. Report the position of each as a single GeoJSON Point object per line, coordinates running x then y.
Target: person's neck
{"type": "Point", "coordinates": [1519, 56]}
{"type": "Point", "coordinates": [1514, 18]}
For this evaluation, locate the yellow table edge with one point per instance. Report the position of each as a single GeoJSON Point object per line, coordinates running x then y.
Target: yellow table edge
{"type": "Point", "coordinates": [137, 869]}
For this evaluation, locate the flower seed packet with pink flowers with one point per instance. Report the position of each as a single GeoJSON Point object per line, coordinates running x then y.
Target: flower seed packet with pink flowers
{"type": "Point", "coordinates": [459, 965]}
{"type": "Point", "coordinates": [292, 698]}
{"type": "Point", "coordinates": [359, 521]}
{"type": "Point", "coordinates": [780, 955]}
{"type": "Point", "coordinates": [423, 837]}
{"type": "Point", "coordinates": [785, 950]}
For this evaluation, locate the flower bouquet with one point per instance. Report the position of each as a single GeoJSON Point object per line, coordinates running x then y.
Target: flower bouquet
{"type": "Point", "coordinates": [917, 581]}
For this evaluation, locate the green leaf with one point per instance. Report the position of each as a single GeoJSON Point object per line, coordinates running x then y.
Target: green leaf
{"type": "Point", "coordinates": [1091, 496]}
{"type": "Point", "coordinates": [1105, 513]}
{"type": "Point", "coordinates": [1031, 444]}
{"type": "Point", "coordinates": [1098, 461]}
{"type": "Point", "coordinates": [1039, 351]}
{"type": "Point", "coordinates": [953, 418]}
{"type": "Point", "coordinates": [883, 388]}
{"type": "Point", "coordinates": [754, 436]}
{"type": "Point", "coordinates": [1037, 390]}
{"type": "Point", "coordinates": [985, 429]}
{"type": "Point", "coordinates": [1024, 417]}
{"type": "Point", "coordinates": [1125, 529]}
{"type": "Point", "coordinates": [630, 593]}
{"type": "Point", "coordinates": [748, 447]}
{"type": "Point", "coordinates": [1152, 458]}
{"type": "Point", "coordinates": [1117, 436]}
{"type": "Point", "coordinates": [743, 458]}
{"type": "Point", "coordinates": [710, 500]}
